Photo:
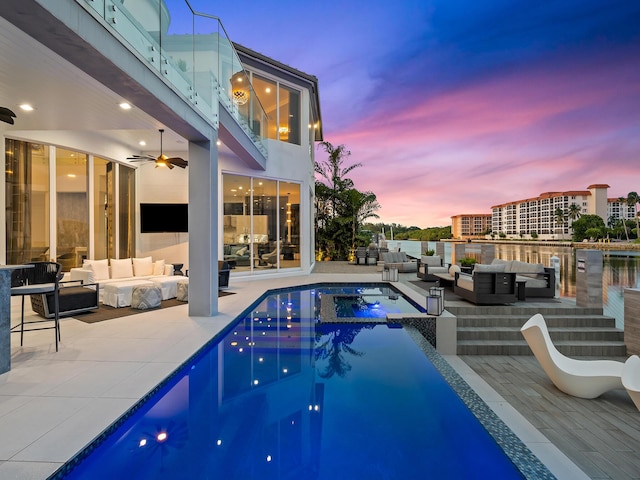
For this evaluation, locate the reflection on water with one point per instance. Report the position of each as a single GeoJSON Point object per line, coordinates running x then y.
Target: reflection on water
{"type": "Point", "coordinates": [620, 271]}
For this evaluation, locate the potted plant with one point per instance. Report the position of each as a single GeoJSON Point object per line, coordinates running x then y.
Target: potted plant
{"type": "Point", "coordinates": [467, 264]}
{"type": "Point", "coordinates": [427, 253]}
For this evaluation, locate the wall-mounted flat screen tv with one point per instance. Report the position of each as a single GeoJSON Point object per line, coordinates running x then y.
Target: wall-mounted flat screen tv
{"type": "Point", "coordinates": [164, 217]}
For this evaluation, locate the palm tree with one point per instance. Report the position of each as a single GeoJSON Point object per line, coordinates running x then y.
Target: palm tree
{"type": "Point", "coordinates": [334, 173]}
{"type": "Point", "coordinates": [632, 201]}
{"type": "Point", "coordinates": [622, 201]}
{"type": "Point", "coordinates": [574, 211]}
{"type": "Point", "coordinates": [561, 217]}
{"type": "Point", "coordinates": [360, 206]}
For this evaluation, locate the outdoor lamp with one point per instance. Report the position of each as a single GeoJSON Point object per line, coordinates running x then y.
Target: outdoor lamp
{"type": "Point", "coordinates": [435, 301]}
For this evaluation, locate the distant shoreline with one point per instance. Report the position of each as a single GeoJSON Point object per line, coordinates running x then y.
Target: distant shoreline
{"type": "Point", "coordinates": [619, 246]}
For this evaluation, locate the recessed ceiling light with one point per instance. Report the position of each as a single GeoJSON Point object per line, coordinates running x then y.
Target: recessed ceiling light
{"type": "Point", "coordinates": [26, 107]}
{"type": "Point", "coordinates": [218, 143]}
{"type": "Point", "coordinates": [125, 106]}
{"type": "Point", "coordinates": [142, 143]}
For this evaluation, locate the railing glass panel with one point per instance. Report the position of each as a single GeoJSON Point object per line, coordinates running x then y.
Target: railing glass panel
{"type": "Point", "coordinates": [192, 51]}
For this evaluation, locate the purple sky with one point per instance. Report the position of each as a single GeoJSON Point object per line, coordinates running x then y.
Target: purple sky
{"type": "Point", "coordinates": [454, 106]}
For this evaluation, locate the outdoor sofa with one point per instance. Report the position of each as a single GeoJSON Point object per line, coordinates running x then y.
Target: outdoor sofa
{"type": "Point", "coordinates": [107, 272]}
{"type": "Point", "coordinates": [486, 288]}
{"type": "Point", "coordinates": [540, 281]}
{"type": "Point", "coordinates": [400, 261]}
{"type": "Point", "coordinates": [430, 266]}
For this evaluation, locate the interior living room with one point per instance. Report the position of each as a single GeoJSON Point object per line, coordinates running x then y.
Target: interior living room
{"type": "Point", "coordinates": [130, 141]}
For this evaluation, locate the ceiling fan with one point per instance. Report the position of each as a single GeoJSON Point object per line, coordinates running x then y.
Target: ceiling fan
{"type": "Point", "coordinates": [7, 115]}
{"type": "Point", "coordinates": [162, 160]}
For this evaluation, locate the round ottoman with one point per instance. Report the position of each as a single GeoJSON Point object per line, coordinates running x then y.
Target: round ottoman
{"type": "Point", "coordinates": [144, 297]}
{"type": "Point", "coordinates": [183, 291]}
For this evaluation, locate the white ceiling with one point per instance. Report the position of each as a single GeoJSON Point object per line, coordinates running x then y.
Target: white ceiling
{"type": "Point", "coordinates": [68, 100]}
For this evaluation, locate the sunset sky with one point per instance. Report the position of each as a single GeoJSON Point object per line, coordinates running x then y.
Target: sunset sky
{"type": "Point", "coordinates": [454, 106]}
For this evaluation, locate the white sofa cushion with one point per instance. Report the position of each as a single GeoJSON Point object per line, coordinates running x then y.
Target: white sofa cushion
{"type": "Point", "coordinates": [121, 268]}
{"type": "Point", "coordinates": [495, 268]}
{"type": "Point", "coordinates": [100, 269]}
{"type": "Point", "coordinates": [142, 267]}
{"type": "Point", "coordinates": [158, 268]}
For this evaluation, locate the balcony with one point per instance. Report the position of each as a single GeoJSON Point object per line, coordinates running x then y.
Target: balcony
{"type": "Point", "coordinates": [194, 56]}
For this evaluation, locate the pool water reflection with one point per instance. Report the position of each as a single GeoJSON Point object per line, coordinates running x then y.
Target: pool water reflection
{"type": "Point", "coordinates": [282, 395]}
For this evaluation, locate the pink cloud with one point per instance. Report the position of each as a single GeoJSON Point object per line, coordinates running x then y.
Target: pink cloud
{"type": "Point", "coordinates": [505, 139]}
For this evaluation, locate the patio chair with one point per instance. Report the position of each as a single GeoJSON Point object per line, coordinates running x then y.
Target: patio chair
{"type": "Point", "coordinates": [361, 256]}
{"type": "Point", "coordinates": [580, 378]}
{"type": "Point", "coordinates": [42, 278]}
{"type": "Point", "coordinates": [631, 378]}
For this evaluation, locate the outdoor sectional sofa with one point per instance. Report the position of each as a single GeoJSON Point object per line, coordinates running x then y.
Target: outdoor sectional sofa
{"type": "Point", "coordinates": [106, 272]}
{"type": "Point", "coordinates": [486, 288]}
{"type": "Point", "coordinates": [400, 261]}
{"type": "Point", "coordinates": [540, 281]}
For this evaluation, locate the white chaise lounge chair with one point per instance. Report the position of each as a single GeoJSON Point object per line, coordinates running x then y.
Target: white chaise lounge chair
{"type": "Point", "coordinates": [631, 378]}
{"type": "Point", "coordinates": [580, 378]}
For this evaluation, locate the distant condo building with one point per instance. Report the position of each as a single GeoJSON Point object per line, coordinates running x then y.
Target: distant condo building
{"type": "Point", "coordinates": [538, 215]}
{"type": "Point", "coordinates": [470, 225]}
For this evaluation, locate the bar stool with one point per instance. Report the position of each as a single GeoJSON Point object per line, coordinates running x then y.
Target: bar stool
{"type": "Point", "coordinates": [43, 278]}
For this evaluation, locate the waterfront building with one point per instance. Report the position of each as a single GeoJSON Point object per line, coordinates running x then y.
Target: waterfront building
{"type": "Point", "coordinates": [470, 225]}
{"type": "Point", "coordinates": [101, 77]}
{"type": "Point", "coordinates": [538, 216]}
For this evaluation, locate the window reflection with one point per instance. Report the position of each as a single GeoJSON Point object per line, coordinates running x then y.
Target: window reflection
{"type": "Point", "coordinates": [72, 208]}
{"type": "Point", "coordinates": [27, 201]}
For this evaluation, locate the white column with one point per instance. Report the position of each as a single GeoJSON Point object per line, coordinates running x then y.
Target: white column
{"type": "Point", "coordinates": [203, 228]}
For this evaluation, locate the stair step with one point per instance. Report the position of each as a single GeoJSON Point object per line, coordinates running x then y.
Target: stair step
{"type": "Point", "coordinates": [551, 320]}
{"type": "Point", "coordinates": [557, 334]}
{"type": "Point", "coordinates": [569, 348]}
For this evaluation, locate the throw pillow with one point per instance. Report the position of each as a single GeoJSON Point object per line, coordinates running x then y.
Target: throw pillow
{"type": "Point", "coordinates": [158, 267]}
{"type": "Point", "coordinates": [453, 269]}
{"type": "Point", "coordinates": [122, 268]}
{"type": "Point", "coordinates": [242, 251]}
{"type": "Point", "coordinates": [100, 269]}
{"type": "Point", "coordinates": [142, 267]}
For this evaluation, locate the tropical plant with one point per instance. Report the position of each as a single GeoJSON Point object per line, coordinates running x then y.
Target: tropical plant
{"type": "Point", "coordinates": [534, 235]}
{"type": "Point", "coordinates": [560, 217]}
{"type": "Point", "coordinates": [622, 201]}
{"type": "Point", "coordinates": [632, 201]}
{"type": "Point", "coordinates": [429, 252]}
{"type": "Point", "coordinates": [574, 211]}
{"type": "Point", "coordinates": [359, 206]}
{"type": "Point", "coordinates": [582, 227]}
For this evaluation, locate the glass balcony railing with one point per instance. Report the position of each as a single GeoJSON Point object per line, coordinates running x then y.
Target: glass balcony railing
{"type": "Point", "coordinates": [192, 51]}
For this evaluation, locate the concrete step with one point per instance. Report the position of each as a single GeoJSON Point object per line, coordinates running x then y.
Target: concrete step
{"type": "Point", "coordinates": [568, 348]}
{"type": "Point", "coordinates": [594, 334]}
{"type": "Point", "coordinates": [553, 321]}
{"type": "Point", "coordinates": [517, 310]}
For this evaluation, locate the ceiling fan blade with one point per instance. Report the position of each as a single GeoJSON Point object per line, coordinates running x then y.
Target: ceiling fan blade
{"type": "Point", "coordinates": [7, 119]}
{"type": "Point", "coordinates": [140, 157]}
{"type": "Point", "coordinates": [178, 162]}
{"type": "Point", "coordinates": [5, 111]}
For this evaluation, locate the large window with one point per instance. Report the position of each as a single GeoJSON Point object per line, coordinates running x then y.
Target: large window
{"type": "Point", "coordinates": [282, 106]}
{"type": "Point", "coordinates": [34, 200]}
{"type": "Point", "coordinates": [27, 202]}
{"type": "Point", "coordinates": [72, 208]}
{"type": "Point", "coordinates": [261, 223]}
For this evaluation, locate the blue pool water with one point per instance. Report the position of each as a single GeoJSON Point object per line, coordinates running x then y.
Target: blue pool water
{"type": "Point", "coordinates": [281, 395]}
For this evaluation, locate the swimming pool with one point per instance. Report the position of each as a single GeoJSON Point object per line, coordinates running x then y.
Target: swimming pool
{"type": "Point", "coordinates": [280, 394]}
